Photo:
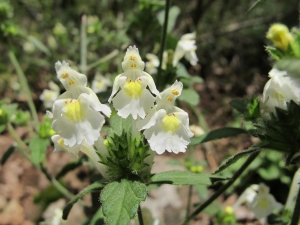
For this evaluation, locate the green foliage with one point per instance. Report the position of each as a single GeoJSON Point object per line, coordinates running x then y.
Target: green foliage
{"type": "Point", "coordinates": [45, 128]}
{"type": "Point", "coordinates": [126, 156]}
{"type": "Point", "coordinates": [174, 11]}
{"type": "Point", "coordinates": [177, 177]}
{"type": "Point", "coordinates": [38, 147]}
{"type": "Point", "coordinates": [217, 134]}
{"type": "Point", "coordinates": [7, 154]}
{"type": "Point", "coordinates": [189, 96]}
{"type": "Point", "coordinates": [248, 107]}
{"type": "Point", "coordinates": [91, 188]}
{"type": "Point", "coordinates": [71, 166]}
{"type": "Point", "coordinates": [289, 65]}
{"type": "Point", "coordinates": [120, 201]}
{"type": "Point", "coordinates": [252, 150]}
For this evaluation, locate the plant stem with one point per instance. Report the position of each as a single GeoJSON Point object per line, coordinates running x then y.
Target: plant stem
{"type": "Point", "coordinates": [140, 216]}
{"type": "Point", "coordinates": [296, 212]}
{"type": "Point", "coordinates": [83, 46]}
{"type": "Point", "coordinates": [163, 41]}
{"type": "Point", "coordinates": [103, 59]}
{"type": "Point", "coordinates": [22, 145]}
{"type": "Point", "coordinates": [221, 190]}
{"type": "Point", "coordinates": [188, 207]}
{"type": "Point", "coordinates": [25, 85]}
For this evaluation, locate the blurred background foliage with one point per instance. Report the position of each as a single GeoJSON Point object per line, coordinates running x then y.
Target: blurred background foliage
{"type": "Point", "coordinates": [230, 36]}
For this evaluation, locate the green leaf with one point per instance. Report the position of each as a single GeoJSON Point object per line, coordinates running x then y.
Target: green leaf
{"type": "Point", "coordinates": [38, 147]}
{"type": "Point", "coordinates": [118, 124]}
{"type": "Point", "coordinates": [98, 218]}
{"type": "Point", "coordinates": [120, 201]}
{"type": "Point", "coordinates": [71, 166]}
{"type": "Point", "coordinates": [289, 65]}
{"type": "Point", "coordinates": [274, 52]}
{"type": "Point", "coordinates": [255, 4]}
{"type": "Point", "coordinates": [177, 177]}
{"type": "Point", "coordinates": [181, 71]}
{"type": "Point", "coordinates": [93, 187]}
{"type": "Point", "coordinates": [236, 157]}
{"type": "Point", "coordinates": [39, 44]}
{"type": "Point", "coordinates": [7, 154]}
{"type": "Point", "coordinates": [174, 11]}
{"type": "Point", "coordinates": [217, 134]}
{"type": "Point", "coordinates": [189, 96]}
{"type": "Point", "coordinates": [240, 105]}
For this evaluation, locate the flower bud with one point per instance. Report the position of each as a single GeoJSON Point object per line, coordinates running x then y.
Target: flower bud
{"type": "Point", "coordinates": [280, 36]}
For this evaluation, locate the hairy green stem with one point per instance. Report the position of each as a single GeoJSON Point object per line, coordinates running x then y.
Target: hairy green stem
{"type": "Point", "coordinates": [140, 216]}
{"type": "Point", "coordinates": [221, 190]}
{"type": "Point", "coordinates": [25, 85]}
{"type": "Point", "coordinates": [162, 42]}
{"type": "Point", "coordinates": [296, 212]}
{"type": "Point", "coordinates": [83, 46]}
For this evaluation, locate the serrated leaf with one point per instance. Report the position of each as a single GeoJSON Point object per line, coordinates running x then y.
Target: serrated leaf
{"type": "Point", "coordinates": [88, 189]}
{"type": "Point", "coordinates": [7, 154]}
{"type": "Point", "coordinates": [120, 201]}
{"type": "Point", "coordinates": [39, 44]}
{"type": "Point", "coordinates": [274, 52]}
{"type": "Point", "coordinates": [189, 96]}
{"type": "Point", "coordinates": [177, 177]}
{"type": "Point", "coordinates": [217, 134]}
{"type": "Point", "coordinates": [38, 147]}
{"type": "Point", "coordinates": [71, 166]}
{"type": "Point", "coordinates": [236, 157]}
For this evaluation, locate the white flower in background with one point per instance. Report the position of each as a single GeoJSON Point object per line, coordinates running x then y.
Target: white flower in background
{"type": "Point", "coordinates": [153, 63]}
{"type": "Point", "coordinates": [166, 126]}
{"type": "Point", "coordinates": [49, 96]}
{"type": "Point", "coordinates": [100, 83]}
{"type": "Point", "coordinates": [198, 131]}
{"type": "Point", "coordinates": [247, 196]}
{"type": "Point", "coordinates": [133, 98]}
{"type": "Point", "coordinates": [264, 203]}
{"type": "Point", "coordinates": [280, 88]}
{"type": "Point", "coordinates": [186, 47]}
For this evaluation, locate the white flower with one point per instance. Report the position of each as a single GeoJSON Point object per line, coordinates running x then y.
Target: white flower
{"type": "Point", "coordinates": [76, 121]}
{"type": "Point", "coordinates": [59, 145]}
{"type": "Point", "coordinates": [281, 88]}
{"type": "Point", "coordinates": [166, 126]}
{"type": "Point", "coordinates": [100, 83]}
{"type": "Point", "coordinates": [49, 96]}
{"type": "Point", "coordinates": [186, 47]}
{"type": "Point", "coordinates": [247, 196]}
{"type": "Point", "coordinates": [69, 77]}
{"type": "Point", "coordinates": [134, 98]}
{"type": "Point", "coordinates": [153, 63]}
{"type": "Point", "coordinates": [264, 203]}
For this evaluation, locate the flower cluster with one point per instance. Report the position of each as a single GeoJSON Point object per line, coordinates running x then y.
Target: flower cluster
{"type": "Point", "coordinates": [165, 126]}
{"type": "Point", "coordinates": [280, 89]}
{"type": "Point", "coordinates": [76, 115]}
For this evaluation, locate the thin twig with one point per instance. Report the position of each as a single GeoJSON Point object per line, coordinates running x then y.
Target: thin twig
{"type": "Point", "coordinates": [163, 41]}
{"type": "Point", "coordinates": [222, 189]}
{"type": "Point", "coordinates": [25, 85]}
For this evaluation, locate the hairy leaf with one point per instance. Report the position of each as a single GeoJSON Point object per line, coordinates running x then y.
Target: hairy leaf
{"type": "Point", "coordinates": [177, 177]}
{"type": "Point", "coordinates": [120, 201]}
{"type": "Point", "coordinates": [236, 157]}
